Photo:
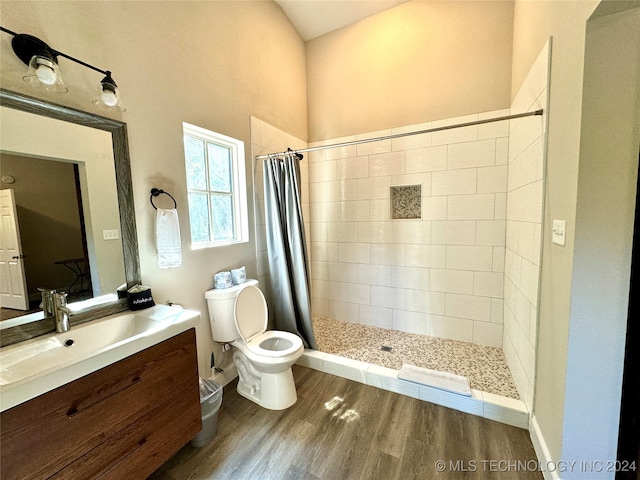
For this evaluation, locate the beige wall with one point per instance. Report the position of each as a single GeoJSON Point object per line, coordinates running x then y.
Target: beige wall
{"type": "Point", "coordinates": [418, 62]}
{"type": "Point", "coordinates": [212, 64]}
{"type": "Point", "coordinates": [534, 22]}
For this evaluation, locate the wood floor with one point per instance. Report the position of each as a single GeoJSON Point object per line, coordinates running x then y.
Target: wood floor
{"type": "Point", "coordinates": [343, 430]}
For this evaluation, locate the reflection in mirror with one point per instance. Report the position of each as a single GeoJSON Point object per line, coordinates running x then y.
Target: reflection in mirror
{"type": "Point", "coordinates": [70, 203]}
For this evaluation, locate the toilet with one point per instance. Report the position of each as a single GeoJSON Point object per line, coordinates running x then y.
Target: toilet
{"type": "Point", "coordinates": [238, 316]}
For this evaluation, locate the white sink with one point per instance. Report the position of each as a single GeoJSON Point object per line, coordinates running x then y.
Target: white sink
{"type": "Point", "coordinates": [35, 366]}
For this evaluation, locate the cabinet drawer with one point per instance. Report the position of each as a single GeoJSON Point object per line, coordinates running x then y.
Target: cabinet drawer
{"type": "Point", "coordinates": [139, 449]}
{"type": "Point", "coordinates": [44, 435]}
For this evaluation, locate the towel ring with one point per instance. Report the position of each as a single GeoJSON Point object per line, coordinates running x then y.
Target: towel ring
{"type": "Point", "coordinates": [156, 192]}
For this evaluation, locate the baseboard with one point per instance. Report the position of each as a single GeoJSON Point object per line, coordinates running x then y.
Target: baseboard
{"type": "Point", "coordinates": [227, 376]}
{"type": "Point", "coordinates": [542, 451]}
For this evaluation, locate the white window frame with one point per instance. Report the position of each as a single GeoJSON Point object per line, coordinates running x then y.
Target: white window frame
{"type": "Point", "coordinates": [238, 187]}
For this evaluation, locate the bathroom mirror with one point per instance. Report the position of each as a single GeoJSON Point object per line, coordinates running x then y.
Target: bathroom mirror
{"type": "Point", "coordinates": [125, 250]}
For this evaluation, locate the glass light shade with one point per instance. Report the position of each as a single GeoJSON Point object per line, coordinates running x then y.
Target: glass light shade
{"type": "Point", "coordinates": [108, 97]}
{"type": "Point", "coordinates": [44, 74]}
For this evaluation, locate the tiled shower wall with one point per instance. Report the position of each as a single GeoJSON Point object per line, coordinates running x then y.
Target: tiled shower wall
{"type": "Point", "coordinates": [525, 195]}
{"type": "Point", "coordinates": [439, 275]}
{"type": "Point", "coordinates": [266, 138]}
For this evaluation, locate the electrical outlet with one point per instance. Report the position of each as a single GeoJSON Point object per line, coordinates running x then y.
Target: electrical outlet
{"type": "Point", "coordinates": [110, 235]}
{"type": "Point", "coordinates": [558, 232]}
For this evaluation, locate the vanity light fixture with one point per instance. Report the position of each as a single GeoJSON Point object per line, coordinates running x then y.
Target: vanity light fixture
{"type": "Point", "coordinates": [44, 74]}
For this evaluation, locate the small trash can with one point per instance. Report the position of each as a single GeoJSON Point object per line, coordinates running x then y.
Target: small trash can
{"type": "Point", "coordinates": [210, 401]}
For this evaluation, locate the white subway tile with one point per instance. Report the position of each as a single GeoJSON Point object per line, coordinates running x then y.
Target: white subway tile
{"type": "Point", "coordinates": [318, 234]}
{"type": "Point", "coordinates": [319, 270]}
{"type": "Point", "coordinates": [416, 278]}
{"type": "Point", "coordinates": [323, 212]}
{"type": "Point", "coordinates": [455, 135]}
{"type": "Point", "coordinates": [492, 179]}
{"type": "Point", "coordinates": [388, 254]}
{"type": "Point", "coordinates": [491, 232]}
{"type": "Point", "coordinates": [425, 302]}
{"type": "Point", "coordinates": [352, 211]}
{"type": "Point", "coordinates": [501, 206]}
{"type": "Point", "coordinates": [412, 231]}
{"type": "Point", "coordinates": [431, 256]}
{"type": "Point", "coordinates": [451, 281]}
{"type": "Point", "coordinates": [322, 171]}
{"type": "Point", "coordinates": [324, 252]}
{"type": "Point", "coordinates": [498, 259]}
{"type": "Point", "coordinates": [523, 311]}
{"type": "Point", "coordinates": [374, 187]}
{"type": "Point", "coordinates": [525, 203]}
{"type": "Point", "coordinates": [348, 151]}
{"type": "Point", "coordinates": [471, 207]}
{"type": "Point", "coordinates": [353, 252]}
{"type": "Point", "coordinates": [454, 182]}
{"type": "Point", "coordinates": [488, 334]}
{"type": "Point", "coordinates": [434, 208]}
{"type": "Point", "coordinates": [373, 148]}
{"type": "Point", "coordinates": [529, 277]}
{"type": "Point", "coordinates": [461, 232]}
{"type": "Point", "coordinates": [379, 210]}
{"type": "Point", "coordinates": [478, 258]}
{"type": "Point", "coordinates": [452, 327]}
{"type": "Point", "coordinates": [345, 368]}
{"type": "Point", "coordinates": [374, 232]}
{"type": "Point", "coordinates": [494, 129]}
{"type": "Point", "coordinates": [472, 154]}
{"type": "Point", "coordinates": [353, 293]}
{"type": "Point", "coordinates": [321, 289]}
{"type": "Point", "coordinates": [468, 306]}
{"type": "Point", "coordinates": [317, 193]}
{"type": "Point", "coordinates": [320, 306]}
{"type": "Point", "coordinates": [343, 272]}
{"type": "Point", "coordinates": [384, 164]}
{"type": "Point", "coordinates": [341, 190]}
{"type": "Point", "coordinates": [502, 151]}
{"type": "Point", "coordinates": [411, 142]}
{"type": "Point", "coordinates": [376, 316]}
{"type": "Point", "coordinates": [412, 322]}
{"type": "Point", "coordinates": [426, 159]}
{"type": "Point", "coordinates": [497, 310]}
{"type": "Point", "coordinates": [342, 232]}
{"type": "Point", "coordinates": [353, 167]}
{"type": "Point", "coordinates": [375, 274]}
{"type": "Point", "coordinates": [512, 266]}
{"type": "Point", "coordinates": [488, 284]}
{"type": "Point", "coordinates": [388, 297]}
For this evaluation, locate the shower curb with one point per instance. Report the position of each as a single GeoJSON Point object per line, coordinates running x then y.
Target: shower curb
{"type": "Point", "coordinates": [483, 404]}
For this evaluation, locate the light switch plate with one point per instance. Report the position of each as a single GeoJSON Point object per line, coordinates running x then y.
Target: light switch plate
{"type": "Point", "coordinates": [559, 231]}
{"type": "Point", "coordinates": [110, 235]}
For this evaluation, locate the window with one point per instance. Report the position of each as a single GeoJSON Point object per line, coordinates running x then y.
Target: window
{"type": "Point", "coordinates": [216, 187]}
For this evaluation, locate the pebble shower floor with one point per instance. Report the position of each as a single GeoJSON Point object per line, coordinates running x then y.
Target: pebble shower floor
{"type": "Point", "coordinates": [486, 367]}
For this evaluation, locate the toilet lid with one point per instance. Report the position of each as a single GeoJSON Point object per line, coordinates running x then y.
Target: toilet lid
{"type": "Point", "coordinates": [250, 313]}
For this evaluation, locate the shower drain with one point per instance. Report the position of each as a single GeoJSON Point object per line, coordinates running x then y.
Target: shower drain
{"type": "Point", "coordinates": [386, 348]}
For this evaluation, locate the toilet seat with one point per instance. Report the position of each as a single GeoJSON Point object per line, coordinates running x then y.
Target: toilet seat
{"type": "Point", "coordinates": [250, 313]}
{"type": "Point", "coordinates": [290, 343]}
{"type": "Point", "coordinates": [251, 318]}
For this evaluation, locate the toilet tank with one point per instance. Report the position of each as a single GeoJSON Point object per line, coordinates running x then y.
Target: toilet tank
{"type": "Point", "coordinates": [221, 303]}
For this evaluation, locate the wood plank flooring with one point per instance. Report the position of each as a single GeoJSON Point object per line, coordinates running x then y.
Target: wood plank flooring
{"type": "Point", "coordinates": [344, 430]}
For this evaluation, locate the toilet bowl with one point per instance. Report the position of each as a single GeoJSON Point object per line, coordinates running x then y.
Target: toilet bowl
{"type": "Point", "coordinates": [238, 316]}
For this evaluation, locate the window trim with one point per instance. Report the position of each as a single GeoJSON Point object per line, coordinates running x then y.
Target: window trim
{"type": "Point", "coordinates": [238, 187]}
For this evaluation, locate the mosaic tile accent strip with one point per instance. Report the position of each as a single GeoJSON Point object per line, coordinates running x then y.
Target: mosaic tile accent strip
{"type": "Point", "coordinates": [486, 367]}
{"type": "Point", "coordinates": [406, 201]}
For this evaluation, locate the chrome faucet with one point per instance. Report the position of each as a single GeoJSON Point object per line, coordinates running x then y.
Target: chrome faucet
{"type": "Point", "coordinates": [61, 312]}
{"type": "Point", "coordinates": [47, 302]}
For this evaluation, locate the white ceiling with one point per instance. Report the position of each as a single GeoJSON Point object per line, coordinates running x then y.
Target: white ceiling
{"type": "Point", "coordinates": [312, 18]}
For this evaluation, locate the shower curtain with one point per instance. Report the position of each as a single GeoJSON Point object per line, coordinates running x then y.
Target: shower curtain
{"type": "Point", "coordinates": [287, 249]}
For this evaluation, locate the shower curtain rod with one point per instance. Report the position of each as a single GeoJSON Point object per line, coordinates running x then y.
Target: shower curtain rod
{"type": "Point", "coordinates": [398, 135]}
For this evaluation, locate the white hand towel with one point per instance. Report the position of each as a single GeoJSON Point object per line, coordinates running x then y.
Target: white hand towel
{"type": "Point", "coordinates": [168, 238]}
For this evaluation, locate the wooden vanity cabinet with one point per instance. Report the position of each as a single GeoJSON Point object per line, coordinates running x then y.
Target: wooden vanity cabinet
{"type": "Point", "coordinates": [120, 422]}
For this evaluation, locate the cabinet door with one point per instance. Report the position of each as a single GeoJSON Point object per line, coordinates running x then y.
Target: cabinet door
{"type": "Point", "coordinates": [46, 435]}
